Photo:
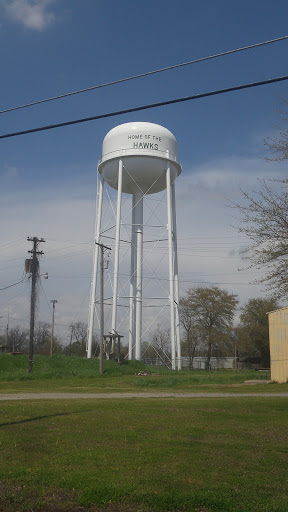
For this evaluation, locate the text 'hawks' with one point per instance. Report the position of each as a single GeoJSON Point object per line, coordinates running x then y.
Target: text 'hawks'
{"type": "Point", "coordinates": [145, 145]}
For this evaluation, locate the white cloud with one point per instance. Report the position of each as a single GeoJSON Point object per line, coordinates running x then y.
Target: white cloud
{"type": "Point", "coordinates": [33, 14]}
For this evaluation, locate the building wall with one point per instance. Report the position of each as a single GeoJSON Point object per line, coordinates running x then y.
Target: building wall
{"type": "Point", "coordinates": [278, 338]}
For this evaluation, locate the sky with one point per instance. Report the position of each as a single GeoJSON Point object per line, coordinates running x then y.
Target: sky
{"type": "Point", "coordinates": [48, 179]}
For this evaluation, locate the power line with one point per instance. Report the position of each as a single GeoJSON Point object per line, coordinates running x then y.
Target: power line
{"type": "Point", "coordinates": [12, 243]}
{"type": "Point", "coordinates": [185, 238]}
{"type": "Point", "coordinates": [10, 286]}
{"type": "Point", "coordinates": [142, 75]}
{"type": "Point", "coordinates": [146, 107]}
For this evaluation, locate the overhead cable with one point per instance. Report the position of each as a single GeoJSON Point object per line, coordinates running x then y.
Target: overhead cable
{"type": "Point", "coordinates": [10, 286]}
{"type": "Point", "coordinates": [142, 75]}
{"type": "Point", "coordinates": [146, 107]}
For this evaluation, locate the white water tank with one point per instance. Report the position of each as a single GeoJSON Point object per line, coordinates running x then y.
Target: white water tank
{"type": "Point", "coordinates": [147, 150]}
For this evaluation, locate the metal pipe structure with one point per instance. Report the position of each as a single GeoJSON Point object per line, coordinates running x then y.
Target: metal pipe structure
{"type": "Point", "coordinates": [139, 264]}
{"type": "Point", "coordinates": [132, 319]}
{"type": "Point", "coordinates": [176, 280]}
{"type": "Point", "coordinates": [117, 248]}
{"type": "Point", "coordinates": [101, 337]}
{"type": "Point", "coordinates": [95, 265]}
{"type": "Point", "coordinates": [171, 268]}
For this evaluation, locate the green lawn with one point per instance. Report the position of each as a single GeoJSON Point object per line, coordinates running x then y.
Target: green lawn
{"type": "Point", "coordinates": [199, 455]}
{"type": "Point", "coordinates": [74, 374]}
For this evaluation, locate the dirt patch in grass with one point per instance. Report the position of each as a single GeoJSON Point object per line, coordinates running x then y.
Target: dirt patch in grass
{"type": "Point", "coordinates": [20, 499]}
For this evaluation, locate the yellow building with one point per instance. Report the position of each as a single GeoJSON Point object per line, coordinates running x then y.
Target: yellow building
{"type": "Point", "coordinates": [278, 338]}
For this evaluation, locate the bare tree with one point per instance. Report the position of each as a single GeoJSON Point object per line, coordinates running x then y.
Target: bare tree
{"type": "Point", "coordinates": [161, 344]}
{"type": "Point", "coordinates": [159, 347]}
{"type": "Point", "coordinates": [79, 332]}
{"type": "Point", "coordinates": [42, 339]}
{"type": "Point", "coordinates": [278, 146]}
{"type": "Point", "coordinates": [18, 339]}
{"type": "Point", "coordinates": [264, 219]}
{"type": "Point", "coordinates": [78, 341]}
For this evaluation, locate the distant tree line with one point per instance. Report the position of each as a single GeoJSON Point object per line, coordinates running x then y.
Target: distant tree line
{"type": "Point", "coordinates": [209, 325]}
{"type": "Point", "coordinates": [17, 339]}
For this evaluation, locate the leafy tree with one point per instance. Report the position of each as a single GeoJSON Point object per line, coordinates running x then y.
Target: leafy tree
{"type": "Point", "coordinates": [253, 331]}
{"type": "Point", "coordinates": [212, 312]}
{"type": "Point", "coordinates": [193, 332]}
{"type": "Point", "coordinates": [192, 344]}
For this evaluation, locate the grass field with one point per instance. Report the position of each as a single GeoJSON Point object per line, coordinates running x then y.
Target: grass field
{"type": "Point", "coordinates": [173, 454]}
{"type": "Point", "coordinates": [75, 374]}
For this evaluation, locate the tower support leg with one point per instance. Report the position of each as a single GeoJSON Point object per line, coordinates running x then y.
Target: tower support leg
{"type": "Point", "coordinates": [132, 319]}
{"type": "Point", "coordinates": [95, 265]}
{"type": "Point", "coordinates": [171, 267]}
{"type": "Point", "coordinates": [117, 247]}
{"type": "Point", "coordinates": [139, 265]}
{"type": "Point", "coordinates": [176, 281]}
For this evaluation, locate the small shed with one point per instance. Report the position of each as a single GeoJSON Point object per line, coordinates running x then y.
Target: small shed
{"type": "Point", "coordinates": [278, 339]}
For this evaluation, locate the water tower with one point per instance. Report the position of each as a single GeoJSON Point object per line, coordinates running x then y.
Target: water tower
{"type": "Point", "coordinates": [139, 158]}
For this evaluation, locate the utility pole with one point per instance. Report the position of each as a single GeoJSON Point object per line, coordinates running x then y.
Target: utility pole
{"type": "Point", "coordinates": [33, 268]}
{"type": "Point", "coordinates": [102, 248]}
{"type": "Point", "coordinates": [71, 338]}
{"type": "Point", "coordinates": [54, 301]}
{"type": "Point", "coordinates": [7, 330]}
